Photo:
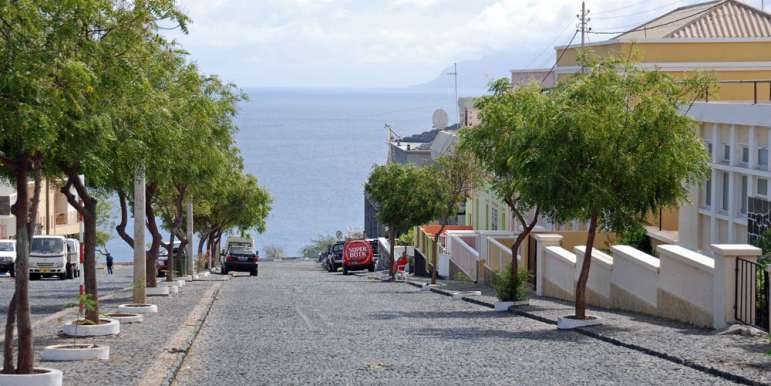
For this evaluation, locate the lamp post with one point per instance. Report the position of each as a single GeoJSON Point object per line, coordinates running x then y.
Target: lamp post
{"type": "Point", "coordinates": [139, 238]}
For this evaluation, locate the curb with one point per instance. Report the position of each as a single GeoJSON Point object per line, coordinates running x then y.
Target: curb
{"type": "Point", "coordinates": [65, 311]}
{"type": "Point", "coordinates": [166, 365]}
{"type": "Point", "coordinates": [658, 354]}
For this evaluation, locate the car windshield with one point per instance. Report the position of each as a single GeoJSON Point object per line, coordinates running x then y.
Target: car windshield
{"type": "Point", "coordinates": [7, 246]}
{"type": "Point", "coordinates": [240, 251]}
{"type": "Point", "coordinates": [46, 245]}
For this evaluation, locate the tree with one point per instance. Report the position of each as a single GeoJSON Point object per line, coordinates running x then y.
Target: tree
{"type": "Point", "coordinates": [505, 144]}
{"type": "Point", "coordinates": [318, 245]}
{"type": "Point", "coordinates": [455, 177]}
{"type": "Point", "coordinates": [405, 196]}
{"type": "Point", "coordinates": [619, 150]}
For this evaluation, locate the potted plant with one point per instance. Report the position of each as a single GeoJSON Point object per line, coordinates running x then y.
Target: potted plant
{"type": "Point", "coordinates": [76, 351]}
{"type": "Point", "coordinates": [509, 294]}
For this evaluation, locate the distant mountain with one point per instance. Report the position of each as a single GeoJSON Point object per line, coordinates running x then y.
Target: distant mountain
{"type": "Point", "coordinates": [477, 74]}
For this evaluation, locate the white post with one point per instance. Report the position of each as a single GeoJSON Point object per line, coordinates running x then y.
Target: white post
{"type": "Point", "coordinates": [724, 281]}
{"type": "Point", "coordinates": [543, 240]}
{"type": "Point", "coordinates": [140, 280]}
{"type": "Point", "coordinates": [190, 259]}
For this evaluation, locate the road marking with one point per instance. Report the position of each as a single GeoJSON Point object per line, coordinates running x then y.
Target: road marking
{"type": "Point", "coordinates": [303, 316]}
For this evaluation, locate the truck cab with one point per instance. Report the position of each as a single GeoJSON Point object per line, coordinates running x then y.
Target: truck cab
{"type": "Point", "coordinates": [50, 256]}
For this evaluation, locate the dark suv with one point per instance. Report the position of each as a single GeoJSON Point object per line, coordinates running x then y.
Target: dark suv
{"type": "Point", "coordinates": [335, 256]}
{"type": "Point", "coordinates": [240, 260]}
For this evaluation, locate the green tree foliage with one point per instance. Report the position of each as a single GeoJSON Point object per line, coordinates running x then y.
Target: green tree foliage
{"type": "Point", "coordinates": [318, 245]}
{"type": "Point", "coordinates": [619, 150]}
{"type": "Point", "coordinates": [506, 146]}
{"type": "Point", "coordinates": [405, 196]}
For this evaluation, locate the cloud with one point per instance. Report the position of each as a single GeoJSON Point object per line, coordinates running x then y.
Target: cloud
{"type": "Point", "coordinates": [382, 42]}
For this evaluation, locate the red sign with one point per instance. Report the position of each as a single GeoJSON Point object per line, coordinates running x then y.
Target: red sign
{"type": "Point", "coordinates": [357, 252]}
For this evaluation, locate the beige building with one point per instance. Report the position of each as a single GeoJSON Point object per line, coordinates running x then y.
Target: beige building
{"type": "Point", "coordinates": [54, 215]}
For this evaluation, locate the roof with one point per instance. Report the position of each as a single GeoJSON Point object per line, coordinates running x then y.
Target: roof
{"type": "Point", "coordinates": [426, 136]}
{"type": "Point", "coordinates": [710, 20]}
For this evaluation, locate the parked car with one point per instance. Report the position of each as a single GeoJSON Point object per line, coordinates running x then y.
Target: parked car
{"type": "Point", "coordinates": [358, 255]}
{"type": "Point", "coordinates": [8, 256]}
{"type": "Point", "coordinates": [335, 256]}
{"type": "Point", "coordinates": [49, 256]}
{"type": "Point", "coordinates": [240, 259]}
{"type": "Point", "coordinates": [162, 263]}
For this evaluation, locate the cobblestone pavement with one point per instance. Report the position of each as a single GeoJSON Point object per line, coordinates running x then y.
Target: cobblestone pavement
{"type": "Point", "coordinates": [50, 295]}
{"type": "Point", "coordinates": [736, 354]}
{"type": "Point", "coordinates": [296, 324]}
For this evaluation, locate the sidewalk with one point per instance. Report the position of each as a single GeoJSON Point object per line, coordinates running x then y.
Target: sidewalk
{"type": "Point", "coordinates": [740, 356]}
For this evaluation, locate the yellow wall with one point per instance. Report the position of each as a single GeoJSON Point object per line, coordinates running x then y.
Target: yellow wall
{"type": "Point", "coordinates": [695, 53]}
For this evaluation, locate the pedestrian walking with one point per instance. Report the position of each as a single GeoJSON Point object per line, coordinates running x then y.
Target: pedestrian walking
{"type": "Point", "coordinates": [108, 258]}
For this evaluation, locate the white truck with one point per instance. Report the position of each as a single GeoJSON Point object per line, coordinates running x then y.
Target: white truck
{"type": "Point", "coordinates": [54, 256]}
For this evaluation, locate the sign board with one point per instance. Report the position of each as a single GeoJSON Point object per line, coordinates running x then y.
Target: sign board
{"type": "Point", "coordinates": [357, 252]}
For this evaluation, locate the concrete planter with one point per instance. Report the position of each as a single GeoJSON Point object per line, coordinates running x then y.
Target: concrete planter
{"type": "Point", "coordinates": [138, 308]}
{"type": "Point", "coordinates": [181, 283]}
{"type": "Point", "coordinates": [110, 327]}
{"type": "Point", "coordinates": [160, 290]}
{"type": "Point", "coordinates": [570, 322]}
{"type": "Point", "coordinates": [75, 352]}
{"type": "Point", "coordinates": [125, 317]}
{"type": "Point", "coordinates": [42, 377]}
{"type": "Point", "coordinates": [507, 306]}
{"type": "Point", "coordinates": [187, 278]}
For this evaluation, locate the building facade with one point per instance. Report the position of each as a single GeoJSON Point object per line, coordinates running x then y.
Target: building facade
{"type": "Point", "coordinates": [54, 214]}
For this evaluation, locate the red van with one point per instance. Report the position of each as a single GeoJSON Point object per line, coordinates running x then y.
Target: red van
{"type": "Point", "coordinates": [358, 255]}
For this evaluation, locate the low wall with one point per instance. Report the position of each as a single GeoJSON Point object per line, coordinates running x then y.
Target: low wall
{"type": "Point", "coordinates": [685, 286]}
{"type": "Point", "coordinates": [634, 281]}
{"type": "Point", "coordinates": [681, 284]}
{"type": "Point", "coordinates": [559, 273]}
{"type": "Point", "coordinates": [598, 284]}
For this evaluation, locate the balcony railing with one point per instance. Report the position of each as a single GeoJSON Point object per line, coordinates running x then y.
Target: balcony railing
{"type": "Point", "coordinates": [757, 94]}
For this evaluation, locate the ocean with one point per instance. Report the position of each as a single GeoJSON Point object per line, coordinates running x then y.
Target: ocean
{"type": "Point", "coordinates": [313, 150]}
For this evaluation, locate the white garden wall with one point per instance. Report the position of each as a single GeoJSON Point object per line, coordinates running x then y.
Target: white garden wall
{"type": "Point", "coordinates": [559, 273]}
{"type": "Point", "coordinates": [598, 285]}
{"type": "Point", "coordinates": [685, 285]}
{"type": "Point", "coordinates": [634, 281]}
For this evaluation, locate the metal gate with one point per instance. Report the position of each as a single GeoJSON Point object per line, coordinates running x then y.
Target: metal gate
{"type": "Point", "coordinates": [532, 264]}
{"type": "Point", "coordinates": [751, 294]}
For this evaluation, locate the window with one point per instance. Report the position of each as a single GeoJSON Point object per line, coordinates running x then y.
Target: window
{"type": "Point", "coordinates": [708, 193]}
{"type": "Point", "coordinates": [745, 154]}
{"type": "Point", "coordinates": [726, 152]}
{"type": "Point", "coordinates": [725, 190]}
{"type": "Point", "coordinates": [763, 156]}
{"type": "Point", "coordinates": [709, 150]}
{"type": "Point", "coordinates": [743, 207]}
{"type": "Point", "coordinates": [494, 223]}
{"type": "Point", "coordinates": [762, 186]}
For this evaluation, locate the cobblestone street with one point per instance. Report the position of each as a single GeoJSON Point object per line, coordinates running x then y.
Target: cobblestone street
{"type": "Point", "coordinates": [296, 324]}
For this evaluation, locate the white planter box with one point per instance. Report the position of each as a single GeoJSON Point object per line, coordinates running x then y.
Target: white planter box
{"type": "Point", "coordinates": [569, 323]}
{"type": "Point", "coordinates": [181, 283]}
{"type": "Point", "coordinates": [160, 290]}
{"type": "Point", "coordinates": [125, 317]}
{"type": "Point", "coordinates": [75, 352]}
{"type": "Point", "coordinates": [112, 327]}
{"type": "Point", "coordinates": [506, 306]}
{"type": "Point", "coordinates": [49, 377]}
{"type": "Point", "coordinates": [138, 308]}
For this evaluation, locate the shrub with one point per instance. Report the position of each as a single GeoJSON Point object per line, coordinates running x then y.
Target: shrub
{"type": "Point", "coordinates": [501, 282]}
{"type": "Point", "coordinates": [407, 238]}
{"type": "Point", "coordinates": [272, 252]}
{"type": "Point", "coordinates": [317, 246]}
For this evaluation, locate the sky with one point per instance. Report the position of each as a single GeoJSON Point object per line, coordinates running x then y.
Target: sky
{"type": "Point", "coordinates": [386, 43]}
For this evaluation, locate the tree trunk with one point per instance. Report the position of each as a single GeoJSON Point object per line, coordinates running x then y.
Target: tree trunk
{"type": "Point", "coordinates": [201, 241]}
{"type": "Point", "coordinates": [87, 209]}
{"type": "Point", "coordinates": [435, 254]}
{"type": "Point", "coordinates": [155, 244]}
{"type": "Point", "coordinates": [391, 242]}
{"type": "Point", "coordinates": [583, 277]}
{"type": "Point", "coordinates": [176, 224]}
{"type": "Point", "coordinates": [24, 323]}
{"type": "Point", "coordinates": [121, 227]}
{"type": "Point", "coordinates": [10, 324]}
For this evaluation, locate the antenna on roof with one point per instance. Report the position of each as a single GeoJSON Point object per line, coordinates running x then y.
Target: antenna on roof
{"type": "Point", "coordinates": [454, 74]}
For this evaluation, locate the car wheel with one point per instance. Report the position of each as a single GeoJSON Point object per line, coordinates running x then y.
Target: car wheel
{"type": "Point", "coordinates": [253, 272]}
{"type": "Point", "coordinates": [62, 276]}
{"type": "Point", "coordinates": [69, 272]}
{"type": "Point", "coordinates": [223, 270]}
{"type": "Point", "coordinates": [330, 267]}
{"type": "Point", "coordinates": [345, 269]}
{"type": "Point", "coordinates": [371, 267]}
{"type": "Point", "coordinates": [13, 270]}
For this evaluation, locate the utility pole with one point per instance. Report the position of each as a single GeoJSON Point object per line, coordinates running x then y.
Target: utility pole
{"type": "Point", "coordinates": [583, 26]}
{"type": "Point", "coordinates": [140, 279]}
{"type": "Point", "coordinates": [454, 74]}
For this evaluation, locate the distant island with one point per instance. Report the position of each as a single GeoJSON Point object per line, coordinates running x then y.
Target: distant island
{"type": "Point", "coordinates": [477, 74]}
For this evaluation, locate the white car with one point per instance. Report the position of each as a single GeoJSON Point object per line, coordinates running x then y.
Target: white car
{"type": "Point", "coordinates": [8, 256]}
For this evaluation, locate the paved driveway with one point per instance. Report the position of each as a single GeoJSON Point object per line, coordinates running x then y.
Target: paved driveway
{"type": "Point", "coordinates": [296, 324]}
